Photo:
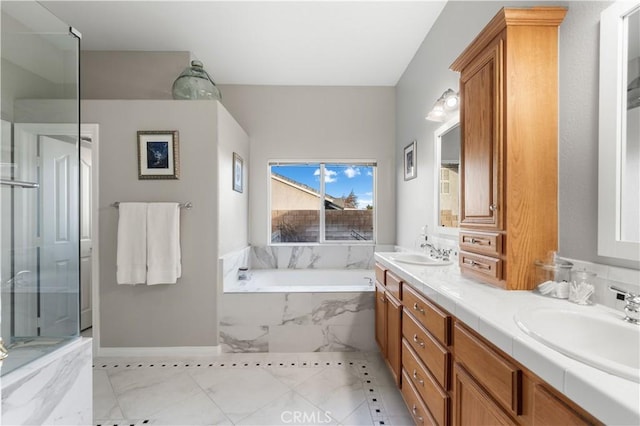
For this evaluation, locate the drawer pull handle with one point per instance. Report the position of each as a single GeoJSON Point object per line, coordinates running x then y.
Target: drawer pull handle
{"type": "Point", "coordinates": [417, 378]}
{"type": "Point", "coordinates": [418, 308]}
{"type": "Point", "coordinates": [478, 265]}
{"type": "Point", "coordinates": [474, 241]}
{"type": "Point", "coordinates": [414, 410]}
{"type": "Point", "coordinates": [418, 341]}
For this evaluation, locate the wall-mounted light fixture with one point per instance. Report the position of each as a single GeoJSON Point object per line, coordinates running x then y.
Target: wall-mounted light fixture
{"type": "Point", "coordinates": [444, 106]}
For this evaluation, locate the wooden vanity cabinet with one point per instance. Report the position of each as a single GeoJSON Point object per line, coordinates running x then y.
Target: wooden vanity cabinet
{"type": "Point", "coordinates": [388, 320]}
{"type": "Point", "coordinates": [426, 358]}
{"type": "Point", "coordinates": [490, 387]}
{"type": "Point", "coordinates": [509, 155]}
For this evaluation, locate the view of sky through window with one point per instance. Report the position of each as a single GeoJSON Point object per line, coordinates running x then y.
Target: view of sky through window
{"type": "Point", "coordinates": [340, 180]}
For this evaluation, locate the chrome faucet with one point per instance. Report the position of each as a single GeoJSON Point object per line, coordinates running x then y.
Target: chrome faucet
{"type": "Point", "coordinates": [632, 308]}
{"type": "Point", "coordinates": [435, 252]}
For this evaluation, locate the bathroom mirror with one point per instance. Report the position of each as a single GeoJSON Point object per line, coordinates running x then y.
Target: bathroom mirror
{"type": "Point", "coordinates": [446, 178]}
{"type": "Point", "coordinates": [619, 138]}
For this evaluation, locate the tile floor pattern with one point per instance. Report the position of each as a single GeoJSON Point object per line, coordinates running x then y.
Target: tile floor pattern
{"type": "Point", "coordinates": [328, 388]}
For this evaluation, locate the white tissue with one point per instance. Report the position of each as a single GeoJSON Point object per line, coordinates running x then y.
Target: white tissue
{"type": "Point", "coordinates": [558, 289]}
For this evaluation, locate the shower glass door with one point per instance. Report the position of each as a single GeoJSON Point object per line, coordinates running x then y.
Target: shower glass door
{"type": "Point", "coordinates": [39, 194]}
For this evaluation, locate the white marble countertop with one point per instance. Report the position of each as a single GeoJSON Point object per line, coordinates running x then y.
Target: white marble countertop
{"type": "Point", "coordinates": [490, 312]}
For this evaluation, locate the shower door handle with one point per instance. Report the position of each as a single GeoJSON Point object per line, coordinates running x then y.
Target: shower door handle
{"type": "Point", "coordinates": [20, 183]}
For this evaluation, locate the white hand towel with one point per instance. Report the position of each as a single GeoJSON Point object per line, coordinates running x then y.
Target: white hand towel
{"type": "Point", "coordinates": [163, 243]}
{"type": "Point", "coordinates": [131, 264]}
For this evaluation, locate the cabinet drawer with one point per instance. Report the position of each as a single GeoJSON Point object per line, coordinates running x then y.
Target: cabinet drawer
{"type": "Point", "coordinates": [380, 273]}
{"type": "Point", "coordinates": [436, 321]}
{"type": "Point", "coordinates": [436, 399]}
{"type": "Point", "coordinates": [501, 378]}
{"type": "Point", "coordinates": [485, 242]}
{"type": "Point", "coordinates": [485, 266]}
{"type": "Point", "coordinates": [433, 355]}
{"type": "Point", "coordinates": [419, 412]}
{"type": "Point", "coordinates": [393, 285]}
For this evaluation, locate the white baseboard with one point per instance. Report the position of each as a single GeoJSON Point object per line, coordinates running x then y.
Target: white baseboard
{"type": "Point", "coordinates": [171, 351]}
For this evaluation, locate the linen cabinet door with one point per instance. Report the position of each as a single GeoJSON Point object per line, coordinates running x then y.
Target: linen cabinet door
{"type": "Point", "coordinates": [481, 156]}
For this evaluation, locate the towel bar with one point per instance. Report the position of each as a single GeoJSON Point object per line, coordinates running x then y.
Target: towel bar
{"type": "Point", "coordinates": [188, 205]}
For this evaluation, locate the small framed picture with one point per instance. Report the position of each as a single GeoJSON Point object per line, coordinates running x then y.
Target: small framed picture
{"type": "Point", "coordinates": [158, 154]}
{"type": "Point", "coordinates": [238, 172]}
{"type": "Point", "coordinates": [410, 170]}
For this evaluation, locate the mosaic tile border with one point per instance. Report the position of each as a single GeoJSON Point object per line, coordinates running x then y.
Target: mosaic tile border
{"type": "Point", "coordinates": [362, 368]}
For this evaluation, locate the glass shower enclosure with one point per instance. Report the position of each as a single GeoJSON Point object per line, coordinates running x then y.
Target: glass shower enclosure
{"type": "Point", "coordinates": [40, 184]}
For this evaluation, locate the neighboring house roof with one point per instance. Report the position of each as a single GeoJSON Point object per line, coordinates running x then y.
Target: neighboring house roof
{"type": "Point", "coordinates": [330, 202]}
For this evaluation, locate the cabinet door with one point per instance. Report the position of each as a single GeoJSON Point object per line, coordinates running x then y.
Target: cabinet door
{"type": "Point", "coordinates": [472, 405]}
{"type": "Point", "coordinates": [481, 156]}
{"type": "Point", "coordinates": [549, 410]}
{"type": "Point", "coordinates": [381, 319]}
{"type": "Point", "coordinates": [394, 336]}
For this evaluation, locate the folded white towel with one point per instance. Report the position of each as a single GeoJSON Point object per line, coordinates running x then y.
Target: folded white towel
{"type": "Point", "coordinates": [131, 264]}
{"type": "Point", "coordinates": [163, 243]}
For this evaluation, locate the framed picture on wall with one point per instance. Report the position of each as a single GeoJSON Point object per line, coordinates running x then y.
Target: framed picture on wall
{"type": "Point", "coordinates": [410, 169]}
{"type": "Point", "coordinates": [238, 172]}
{"type": "Point", "coordinates": [158, 154]}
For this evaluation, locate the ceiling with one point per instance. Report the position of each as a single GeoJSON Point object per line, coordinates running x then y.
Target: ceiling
{"type": "Point", "coordinates": [323, 43]}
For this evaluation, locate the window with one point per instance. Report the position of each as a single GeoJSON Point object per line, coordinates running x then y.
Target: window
{"type": "Point", "coordinates": [308, 209]}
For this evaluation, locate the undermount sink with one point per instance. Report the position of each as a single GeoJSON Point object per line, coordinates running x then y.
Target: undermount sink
{"type": "Point", "coordinates": [419, 259]}
{"type": "Point", "coordinates": [599, 339]}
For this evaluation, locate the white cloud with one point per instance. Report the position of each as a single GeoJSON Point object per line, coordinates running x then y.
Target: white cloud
{"type": "Point", "coordinates": [363, 203]}
{"type": "Point", "coordinates": [351, 172]}
{"type": "Point", "coordinates": [329, 175]}
{"type": "Point", "coordinates": [369, 173]}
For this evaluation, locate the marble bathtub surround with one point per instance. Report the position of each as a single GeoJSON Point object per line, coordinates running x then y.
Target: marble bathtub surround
{"type": "Point", "coordinates": [338, 256]}
{"type": "Point", "coordinates": [248, 389]}
{"type": "Point", "coordinates": [297, 322]}
{"type": "Point", "coordinates": [314, 257]}
{"type": "Point", "coordinates": [296, 257]}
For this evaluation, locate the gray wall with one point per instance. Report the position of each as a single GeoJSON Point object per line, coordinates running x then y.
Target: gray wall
{"type": "Point", "coordinates": [182, 314]}
{"type": "Point", "coordinates": [283, 122]}
{"type": "Point", "coordinates": [316, 123]}
{"type": "Point", "coordinates": [130, 74]}
{"type": "Point", "coordinates": [233, 206]}
{"type": "Point", "coordinates": [428, 76]}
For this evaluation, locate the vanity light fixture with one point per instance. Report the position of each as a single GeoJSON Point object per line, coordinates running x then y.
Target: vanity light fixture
{"type": "Point", "coordinates": [447, 103]}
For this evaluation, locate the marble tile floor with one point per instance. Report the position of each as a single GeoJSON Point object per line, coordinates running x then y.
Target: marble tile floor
{"type": "Point", "coordinates": [323, 388]}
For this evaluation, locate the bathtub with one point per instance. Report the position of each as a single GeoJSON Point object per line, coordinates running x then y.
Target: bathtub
{"type": "Point", "coordinates": [304, 281]}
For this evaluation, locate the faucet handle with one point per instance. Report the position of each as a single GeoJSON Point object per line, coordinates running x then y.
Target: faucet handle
{"type": "Point", "coordinates": [628, 296]}
{"type": "Point", "coordinates": [632, 309]}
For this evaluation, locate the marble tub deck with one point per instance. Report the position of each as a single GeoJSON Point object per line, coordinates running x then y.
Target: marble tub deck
{"type": "Point", "coordinates": [329, 388]}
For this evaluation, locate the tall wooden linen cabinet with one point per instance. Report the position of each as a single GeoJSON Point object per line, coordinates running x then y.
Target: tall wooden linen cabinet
{"type": "Point", "coordinates": [509, 156]}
